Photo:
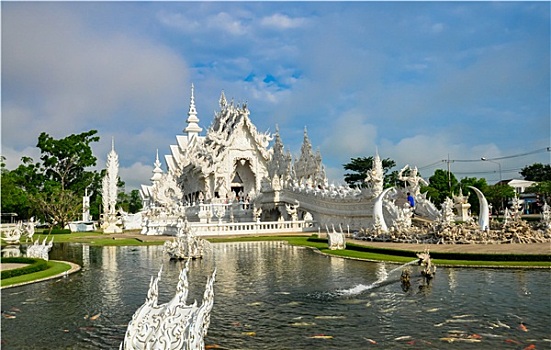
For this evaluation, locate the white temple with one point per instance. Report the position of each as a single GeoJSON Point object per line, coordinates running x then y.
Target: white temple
{"type": "Point", "coordinates": [236, 174]}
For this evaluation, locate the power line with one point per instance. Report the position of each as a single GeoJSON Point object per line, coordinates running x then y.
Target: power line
{"type": "Point", "coordinates": [540, 150]}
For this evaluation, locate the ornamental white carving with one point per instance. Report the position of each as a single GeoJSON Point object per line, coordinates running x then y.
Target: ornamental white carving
{"type": "Point", "coordinates": [173, 325]}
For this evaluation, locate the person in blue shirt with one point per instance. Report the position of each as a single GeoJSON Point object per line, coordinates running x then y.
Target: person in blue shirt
{"type": "Point", "coordinates": [411, 201]}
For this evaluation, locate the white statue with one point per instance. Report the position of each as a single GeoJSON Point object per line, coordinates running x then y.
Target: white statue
{"type": "Point", "coordinates": [12, 234]}
{"type": "Point", "coordinates": [413, 181]}
{"type": "Point", "coordinates": [292, 210]}
{"type": "Point", "coordinates": [336, 240]}
{"type": "Point", "coordinates": [546, 215]}
{"type": "Point", "coordinates": [447, 214]}
{"type": "Point", "coordinates": [40, 250]}
{"type": "Point", "coordinates": [375, 176]}
{"type": "Point", "coordinates": [173, 325]}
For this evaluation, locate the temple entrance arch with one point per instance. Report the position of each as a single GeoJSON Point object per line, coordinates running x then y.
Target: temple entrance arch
{"type": "Point", "coordinates": [243, 178]}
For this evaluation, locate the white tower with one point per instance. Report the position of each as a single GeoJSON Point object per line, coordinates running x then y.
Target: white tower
{"type": "Point", "coordinates": [193, 128]}
{"type": "Point", "coordinates": [109, 192]}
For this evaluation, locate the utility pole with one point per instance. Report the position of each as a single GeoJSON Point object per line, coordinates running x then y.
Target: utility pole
{"type": "Point", "coordinates": [449, 173]}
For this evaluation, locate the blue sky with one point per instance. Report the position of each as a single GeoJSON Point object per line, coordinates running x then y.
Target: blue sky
{"type": "Point", "coordinates": [417, 81]}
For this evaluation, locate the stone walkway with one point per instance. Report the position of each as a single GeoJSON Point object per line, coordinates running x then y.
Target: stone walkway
{"type": "Point", "coordinates": [11, 266]}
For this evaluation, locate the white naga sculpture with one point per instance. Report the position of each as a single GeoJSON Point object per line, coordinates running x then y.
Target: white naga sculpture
{"type": "Point", "coordinates": [40, 250]}
{"type": "Point", "coordinates": [186, 245]}
{"type": "Point", "coordinates": [109, 192]}
{"type": "Point", "coordinates": [336, 240]}
{"type": "Point", "coordinates": [173, 325]}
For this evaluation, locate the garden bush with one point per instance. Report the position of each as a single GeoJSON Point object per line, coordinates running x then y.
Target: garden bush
{"type": "Point", "coordinates": [35, 265]}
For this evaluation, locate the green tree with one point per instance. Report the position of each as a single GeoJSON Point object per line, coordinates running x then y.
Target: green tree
{"type": "Point", "coordinates": [498, 195]}
{"type": "Point", "coordinates": [58, 206]}
{"type": "Point", "coordinates": [360, 167]}
{"type": "Point", "coordinates": [18, 187]}
{"type": "Point", "coordinates": [54, 188]}
{"type": "Point", "coordinates": [64, 161]}
{"type": "Point", "coordinates": [135, 202]}
{"type": "Point", "coordinates": [543, 191]}
{"type": "Point", "coordinates": [439, 186]}
{"type": "Point", "coordinates": [537, 172]}
{"type": "Point", "coordinates": [14, 198]}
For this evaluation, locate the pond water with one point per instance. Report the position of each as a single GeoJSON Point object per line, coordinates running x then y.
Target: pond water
{"type": "Point", "coordinates": [275, 296]}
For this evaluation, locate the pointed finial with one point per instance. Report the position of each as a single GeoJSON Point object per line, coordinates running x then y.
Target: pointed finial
{"type": "Point", "coordinates": [192, 128]}
{"type": "Point", "coordinates": [112, 143]}
{"type": "Point", "coordinates": [223, 102]}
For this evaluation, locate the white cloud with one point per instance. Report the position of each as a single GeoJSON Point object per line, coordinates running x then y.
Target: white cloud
{"type": "Point", "coordinates": [178, 21]}
{"type": "Point", "coordinates": [73, 77]}
{"type": "Point", "coordinates": [135, 175]}
{"type": "Point", "coordinates": [282, 21]}
{"type": "Point", "coordinates": [227, 23]}
{"type": "Point", "coordinates": [350, 135]}
{"type": "Point", "coordinates": [13, 157]}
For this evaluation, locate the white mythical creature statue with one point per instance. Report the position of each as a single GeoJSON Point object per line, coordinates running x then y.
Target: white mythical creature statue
{"type": "Point", "coordinates": [186, 245]}
{"type": "Point", "coordinates": [257, 212]}
{"type": "Point", "coordinates": [292, 210]}
{"type": "Point", "coordinates": [424, 207]}
{"type": "Point", "coordinates": [429, 270]}
{"type": "Point", "coordinates": [12, 234]}
{"type": "Point", "coordinates": [412, 180]}
{"type": "Point", "coordinates": [447, 217]}
{"type": "Point", "coordinates": [336, 240]}
{"type": "Point", "coordinates": [40, 250]}
{"type": "Point", "coordinates": [28, 229]}
{"type": "Point", "coordinates": [174, 325]}
{"type": "Point", "coordinates": [375, 177]}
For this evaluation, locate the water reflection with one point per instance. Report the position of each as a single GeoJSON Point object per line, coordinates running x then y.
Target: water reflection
{"type": "Point", "coordinates": [274, 296]}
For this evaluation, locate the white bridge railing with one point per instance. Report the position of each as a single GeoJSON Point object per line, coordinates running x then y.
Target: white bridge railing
{"type": "Point", "coordinates": [262, 227]}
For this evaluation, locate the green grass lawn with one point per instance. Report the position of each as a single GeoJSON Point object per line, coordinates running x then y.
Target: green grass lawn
{"type": "Point", "coordinates": [53, 269]}
{"type": "Point", "coordinates": [94, 238]}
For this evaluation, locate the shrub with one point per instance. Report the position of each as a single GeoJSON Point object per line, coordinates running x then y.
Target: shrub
{"type": "Point", "coordinates": [35, 265]}
{"type": "Point", "coordinates": [59, 231]}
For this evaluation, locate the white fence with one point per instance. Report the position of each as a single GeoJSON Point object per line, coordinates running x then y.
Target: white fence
{"type": "Point", "coordinates": [243, 228]}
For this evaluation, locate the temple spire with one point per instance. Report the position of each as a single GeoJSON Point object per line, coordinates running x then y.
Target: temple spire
{"type": "Point", "coordinates": [223, 102]}
{"type": "Point", "coordinates": [157, 172]}
{"type": "Point", "coordinates": [193, 127]}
